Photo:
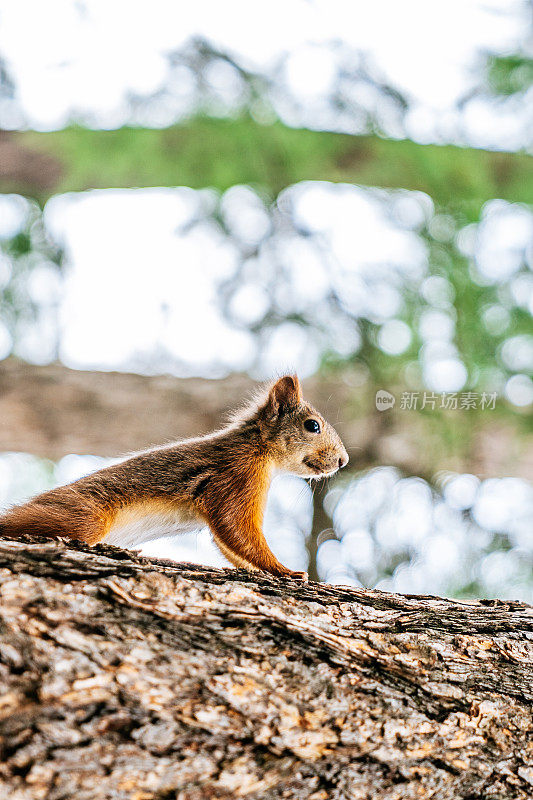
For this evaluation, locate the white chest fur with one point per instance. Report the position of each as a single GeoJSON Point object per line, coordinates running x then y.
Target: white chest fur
{"type": "Point", "coordinates": [143, 522]}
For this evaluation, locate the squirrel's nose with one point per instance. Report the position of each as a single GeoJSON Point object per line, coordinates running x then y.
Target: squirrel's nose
{"type": "Point", "coordinates": [343, 460]}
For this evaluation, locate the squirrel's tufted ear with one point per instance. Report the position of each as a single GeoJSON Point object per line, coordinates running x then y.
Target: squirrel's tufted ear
{"type": "Point", "coordinates": [284, 395]}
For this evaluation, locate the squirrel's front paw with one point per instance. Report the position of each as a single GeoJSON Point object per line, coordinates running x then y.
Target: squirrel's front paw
{"type": "Point", "coordinates": [279, 571]}
{"type": "Point", "coordinates": [299, 576]}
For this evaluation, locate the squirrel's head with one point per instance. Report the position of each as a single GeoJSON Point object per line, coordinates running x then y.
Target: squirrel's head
{"type": "Point", "coordinates": [299, 438]}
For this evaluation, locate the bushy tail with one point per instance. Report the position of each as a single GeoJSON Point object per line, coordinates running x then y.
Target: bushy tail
{"type": "Point", "coordinates": [53, 515]}
{"type": "Point", "coordinates": [33, 519]}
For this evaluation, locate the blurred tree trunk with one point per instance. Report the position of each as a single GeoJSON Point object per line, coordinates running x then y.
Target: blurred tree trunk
{"type": "Point", "coordinates": [322, 529]}
{"type": "Point", "coordinates": [52, 410]}
{"type": "Point", "coordinates": [132, 678]}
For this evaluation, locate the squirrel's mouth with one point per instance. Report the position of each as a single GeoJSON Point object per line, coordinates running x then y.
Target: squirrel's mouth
{"type": "Point", "coordinates": [319, 469]}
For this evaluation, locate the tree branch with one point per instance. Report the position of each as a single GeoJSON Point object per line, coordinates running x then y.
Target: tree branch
{"type": "Point", "coordinates": [126, 677]}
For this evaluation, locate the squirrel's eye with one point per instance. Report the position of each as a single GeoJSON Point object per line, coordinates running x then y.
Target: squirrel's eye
{"type": "Point", "coordinates": [312, 426]}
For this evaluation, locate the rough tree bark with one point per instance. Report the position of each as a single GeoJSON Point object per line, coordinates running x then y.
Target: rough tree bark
{"type": "Point", "coordinates": [124, 677]}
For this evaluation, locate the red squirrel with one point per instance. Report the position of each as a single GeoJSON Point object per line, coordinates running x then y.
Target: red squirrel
{"type": "Point", "coordinates": [221, 479]}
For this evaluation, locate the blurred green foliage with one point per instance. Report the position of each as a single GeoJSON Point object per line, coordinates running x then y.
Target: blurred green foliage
{"type": "Point", "coordinates": [508, 75]}
{"type": "Point", "coordinates": [220, 153]}
{"type": "Point", "coordinates": [22, 254]}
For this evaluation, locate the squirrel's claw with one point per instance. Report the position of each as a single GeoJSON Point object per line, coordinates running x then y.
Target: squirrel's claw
{"type": "Point", "coordinates": [299, 576]}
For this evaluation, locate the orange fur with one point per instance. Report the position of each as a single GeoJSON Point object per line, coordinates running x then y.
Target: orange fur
{"type": "Point", "coordinates": [221, 479]}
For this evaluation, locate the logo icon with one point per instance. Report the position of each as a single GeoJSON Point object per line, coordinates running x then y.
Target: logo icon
{"type": "Point", "coordinates": [384, 400]}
